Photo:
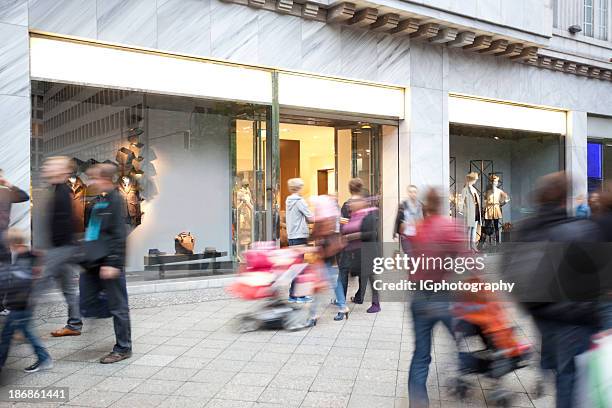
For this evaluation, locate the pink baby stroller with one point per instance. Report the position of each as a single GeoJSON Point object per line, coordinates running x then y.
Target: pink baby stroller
{"type": "Point", "coordinates": [265, 278]}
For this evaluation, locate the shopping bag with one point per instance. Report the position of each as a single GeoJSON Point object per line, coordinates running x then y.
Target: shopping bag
{"type": "Point", "coordinates": [594, 374]}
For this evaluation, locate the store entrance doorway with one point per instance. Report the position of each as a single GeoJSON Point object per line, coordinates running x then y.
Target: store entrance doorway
{"type": "Point", "coordinates": [326, 154]}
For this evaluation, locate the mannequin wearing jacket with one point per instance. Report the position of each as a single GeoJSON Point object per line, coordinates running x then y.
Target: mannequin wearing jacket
{"type": "Point", "coordinates": [78, 192]}
{"type": "Point", "coordinates": [471, 208]}
{"type": "Point", "coordinates": [495, 198]}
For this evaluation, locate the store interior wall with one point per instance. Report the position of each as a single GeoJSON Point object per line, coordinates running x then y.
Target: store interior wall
{"type": "Point", "coordinates": [317, 151]}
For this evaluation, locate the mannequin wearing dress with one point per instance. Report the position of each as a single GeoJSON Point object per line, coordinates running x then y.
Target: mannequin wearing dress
{"type": "Point", "coordinates": [495, 198]}
{"type": "Point", "coordinates": [471, 208]}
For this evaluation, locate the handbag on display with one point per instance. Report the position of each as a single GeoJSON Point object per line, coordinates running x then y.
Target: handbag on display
{"type": "Point", "coordinates": [184, 243]}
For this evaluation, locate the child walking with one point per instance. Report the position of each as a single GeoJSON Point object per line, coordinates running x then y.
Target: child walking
{"type": "Point", "coordinates": [18, 279]}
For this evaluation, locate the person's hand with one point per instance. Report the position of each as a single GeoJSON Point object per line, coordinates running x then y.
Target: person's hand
{"type": "Point", "coordinates": [108, 272]}
{"type": "Point", "coordinates": [4, 182]}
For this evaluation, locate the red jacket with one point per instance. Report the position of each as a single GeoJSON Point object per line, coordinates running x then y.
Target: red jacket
{"type": "Point", "coordinates": [437, 239]}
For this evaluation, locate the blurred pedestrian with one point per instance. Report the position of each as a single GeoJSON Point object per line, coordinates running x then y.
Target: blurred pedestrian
{"type": "Point", "coordinates": [297, 216]}
{"type": "Point", "coordinates": [9, 195]}
{"type": "Point", "coordinates": [436, 237]}
{"type": "Point", "coordinates": [349, 262]}
{"type": "Point", "coordinates": [59, 259]}
{"type": "Point", "coordinates": [19, 278]}
{"type": "Point", "coordinates": [582, 208]}
{"type": "Point", "coordinates": [362, 232]}
{"type": "Point", "coordinates": [594, 203]}
{"type": "Point", "coordinates": [105, 242]}
{"type": "Point", "coordinates": [409, 213]}
{"type": "Point", "coordinates": [569, 314]}
{"type": "Point", "coordinates": [329, 244]}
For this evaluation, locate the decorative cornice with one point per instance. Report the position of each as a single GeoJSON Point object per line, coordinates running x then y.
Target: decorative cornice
{"type": "Point", "coordinates": [480, 43]}
{"type": "Point", "coordinates": [385, 22]}
{"type": "Point", "coordinates": [405, 27]}
{"type": "Point", "coordinates": [341, 13]}
{"type": "Point", "coordinates": [434, 31]}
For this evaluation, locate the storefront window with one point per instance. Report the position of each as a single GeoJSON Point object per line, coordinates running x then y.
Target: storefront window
{"type": "Point", "coordinates": [599, 163]}
{"type": "Point", "coordinates": [179, 170]}
{"type": "Point", "coordinates": [517, 158]}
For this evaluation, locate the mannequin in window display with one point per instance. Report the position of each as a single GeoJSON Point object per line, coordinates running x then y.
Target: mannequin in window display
{"type": "Point", "coordinates": [469, 205]}
{"type": "Point", "coordinates": [495, 199]}
{"type": "Point", "coordinates": [244, 209]}
{"type": "Point", "coordinates": [130, 191]}
{"type": "Point", "coordinates": [78, 193]}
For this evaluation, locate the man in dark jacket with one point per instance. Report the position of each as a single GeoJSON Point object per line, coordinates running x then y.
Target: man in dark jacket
{"type": "Point", "coordinates": [106, 234]}
{"type": "Point", "coordinates": [556, 265]}
{"type": "Point", "coordinates": [59, 264]}
{"type": "Point", "coordinates": [9, 194]}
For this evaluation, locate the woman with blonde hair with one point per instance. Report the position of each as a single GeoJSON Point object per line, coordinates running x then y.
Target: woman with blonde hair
{"type": "Point", "coordinates": [470, 207]}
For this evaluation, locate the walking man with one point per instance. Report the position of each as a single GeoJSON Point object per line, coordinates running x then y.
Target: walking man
{"type": "Point", "coordinates": [105, 241]}
{"type": "Point", "coordinates": [59, 264]}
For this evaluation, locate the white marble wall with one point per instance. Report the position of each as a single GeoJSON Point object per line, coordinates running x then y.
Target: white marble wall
{"type": "Point", "coordinates": [576, 154]}
{"type": "Point", "coordinates": [15, 102]}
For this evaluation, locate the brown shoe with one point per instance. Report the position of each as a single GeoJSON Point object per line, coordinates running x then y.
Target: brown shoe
{"type": "Point", "coordinates": [114, 357]}
{"type": "Point", "coordinates": [65, 331]}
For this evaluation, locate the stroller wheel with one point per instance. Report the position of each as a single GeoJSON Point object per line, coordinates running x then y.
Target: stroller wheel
{"type": "Point", "coordinates": [248, 324]}
{"type": "Point", "coordinates": [501, 398]}
{"type": "Point", "coordinates": [539, 389]}
{"type": "Point", "coordinates": [297, 319]}
{"type": "Point", "coordinates": [460, 388]}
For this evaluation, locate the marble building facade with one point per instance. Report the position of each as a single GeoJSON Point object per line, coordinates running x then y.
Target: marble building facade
{"type": "Point", "coordinates": [254, 33]}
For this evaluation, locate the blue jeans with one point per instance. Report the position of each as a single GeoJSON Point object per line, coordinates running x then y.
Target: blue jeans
{"type": "Point", "coordinates": [114, 302]}
{"type": "Point", "coordinates": [293, 242]}
{"type": "Point", "coordinates": [20, 320]}
{"type": "Point", "coordinates": [425, 315]}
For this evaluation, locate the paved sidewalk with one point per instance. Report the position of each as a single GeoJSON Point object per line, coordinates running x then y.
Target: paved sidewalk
{"type": "Point", "coordinates": [189, 355]}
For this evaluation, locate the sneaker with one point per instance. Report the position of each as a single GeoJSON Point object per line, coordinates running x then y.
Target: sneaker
{"type": "Point", "coordinates": [304, 299]}
{"type": "Point", "coordinates": [39, 365]}
{"type": "Point", "coordinates": [4, 312]}
{"type": "Point", "coordinates": [114, 357]}
{"type": "Point", "coordinates": [292, 299]}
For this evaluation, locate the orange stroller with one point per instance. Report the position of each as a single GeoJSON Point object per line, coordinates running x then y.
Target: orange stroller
{"type": "Point", "coordinates": [482, 314]}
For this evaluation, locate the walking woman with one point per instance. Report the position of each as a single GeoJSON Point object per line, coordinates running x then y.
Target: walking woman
{"type": "Point", "coordinates": [409, 213]}
{"type": "Point", "coordinates": [361, 232]}
{"type": "Point", "coordinates": [348, 256]}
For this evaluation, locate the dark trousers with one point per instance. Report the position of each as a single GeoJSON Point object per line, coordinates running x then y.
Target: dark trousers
{"type": "Point", "coordinates": [108, 298]}
{"type": "Point", "coordinates": [20, 320]}
{"type": "Point", "coordinates": [425, 315]}
{"type": "Point", "coordinates": [293, 242]}
{"type": "Point", "coordinates": [344, 267]}
{"type": "Point", "coordinates": [60, 269]}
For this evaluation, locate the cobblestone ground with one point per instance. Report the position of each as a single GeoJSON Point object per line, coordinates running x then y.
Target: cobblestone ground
{"type": "Point", "coordinates": [188, 354]}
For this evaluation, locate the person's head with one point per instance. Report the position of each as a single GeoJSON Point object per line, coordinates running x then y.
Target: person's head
{"type": "Point", "coordinates": [494, 180]}
{"type": "Point", "coordinates": [580, 199]}
{"type": "Point", "coordinates": [471, 178]}
{"type": "Point", "coordinates": [412, 192]}
{"type": "Point", "coordinates": [356, 186]}
{"type": "Point", "coordinates": [101, 177]}
{"type": "Point", "coordinates": [358, 203]}
{"type": "Point", "coordinates": [433, 202]}
{"type": "Point", "coordinates": [57, 169]}
{"type": "Point", "coordinates": [295, 185]}
{"type": "Point", "coordinates": [16, 240]}
{"type": "Point", "coordinates": [552, 189]}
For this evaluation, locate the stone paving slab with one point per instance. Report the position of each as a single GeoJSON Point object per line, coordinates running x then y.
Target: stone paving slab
{"type": "Point", "coordinates": [188, 354]}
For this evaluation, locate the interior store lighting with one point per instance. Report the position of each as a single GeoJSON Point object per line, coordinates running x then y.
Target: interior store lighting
{"type": "Point", "coordinates": [478, 112]}
{"type": "Point", "coordinates": [97, 65]}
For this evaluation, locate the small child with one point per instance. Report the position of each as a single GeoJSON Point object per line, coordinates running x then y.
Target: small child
{"type": "Point", "coordinates": [19, 279]}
